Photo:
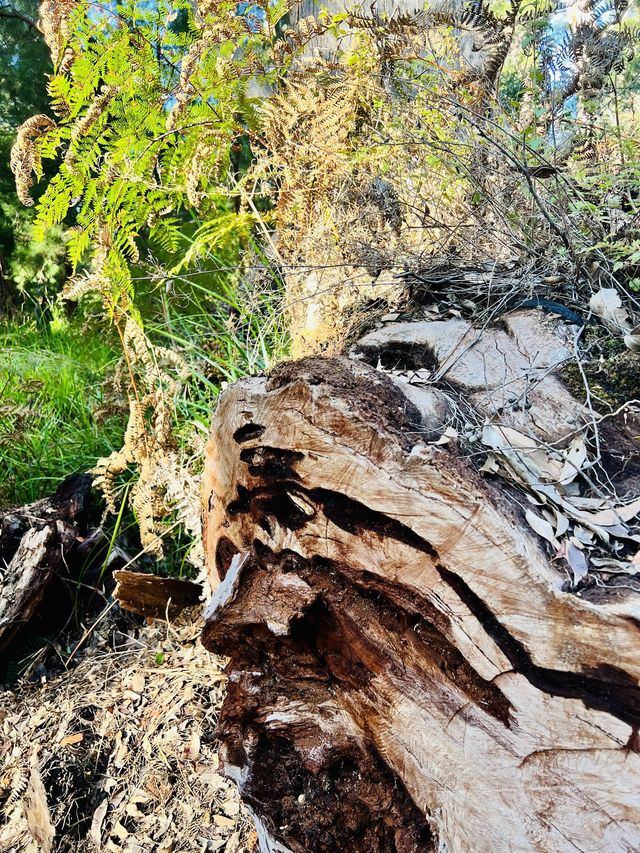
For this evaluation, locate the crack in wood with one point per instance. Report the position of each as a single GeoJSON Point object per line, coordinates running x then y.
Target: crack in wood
{"type": "Point", "coordinates": [605, 690]}
{"type": "Point", "coordinates": [616, 693]}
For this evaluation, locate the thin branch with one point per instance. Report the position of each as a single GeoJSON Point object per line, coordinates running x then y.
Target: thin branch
{"type": "Point", "coordinates": [8, 11]}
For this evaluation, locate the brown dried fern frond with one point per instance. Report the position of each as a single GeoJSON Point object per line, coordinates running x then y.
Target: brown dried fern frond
{"type": "Point", "coordinates": [296, 37]}
{"type": "Point", "coordinates": [54, 23]}
{"type": "Point", "coordinates": [203, 161]}
{"type": "Point", "coordinates": [149, 445]}
{"type": "Point", "coordinates": [93, 280]}
{"type": "Point", "coordinates": [185, 90]}
{"type": "Point", "coordinates": [306, 131]}
{"type": "Point", "coordinates": [25, 154]}
{"type": "Point", "coordinates": [79, 285]}
{"type": "Point", "coordinates": [84, 124]}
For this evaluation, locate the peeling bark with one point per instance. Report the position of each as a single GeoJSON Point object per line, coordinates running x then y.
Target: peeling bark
{"type": "Point", "coordinates": [410, 670]}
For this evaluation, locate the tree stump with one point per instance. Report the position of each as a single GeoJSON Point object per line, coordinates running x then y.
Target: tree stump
{"type": "Point", "coordinates": [412, 666]}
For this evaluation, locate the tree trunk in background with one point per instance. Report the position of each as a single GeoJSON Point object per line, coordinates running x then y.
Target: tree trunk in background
{"type": "Point", "coordinates": [472, 55]}
{"type": "Point", "coordinates": [410, 668]}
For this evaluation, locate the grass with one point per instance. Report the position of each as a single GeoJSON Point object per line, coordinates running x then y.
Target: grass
{"type": "Point", "coordinates": [56, 415]}
{"type": "Point", "coordinates": [223, 333]}
{"type": "Point", "coordinates": [57, 411]}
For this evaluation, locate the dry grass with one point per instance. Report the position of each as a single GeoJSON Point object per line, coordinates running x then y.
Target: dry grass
{"type": "Point", "coordinates": [119, 753]}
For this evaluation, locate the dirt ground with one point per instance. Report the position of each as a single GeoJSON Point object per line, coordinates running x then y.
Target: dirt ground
{"type": "Point", "coordinates": [117, 752]}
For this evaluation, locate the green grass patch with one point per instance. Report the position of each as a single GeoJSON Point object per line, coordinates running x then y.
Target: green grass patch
{"type": "Point", "coordinates": [57, 412]}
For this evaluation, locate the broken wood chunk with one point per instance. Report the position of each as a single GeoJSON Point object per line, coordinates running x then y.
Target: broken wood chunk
{"type": "Point", "coordinates": [154, 596]}
{"type": "Point", "coordinates": [37, 544]}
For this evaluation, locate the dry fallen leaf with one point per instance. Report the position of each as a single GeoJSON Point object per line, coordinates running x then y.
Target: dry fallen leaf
{"type": "Point", "coordinates": [69, 739]}
{"type": "Point", "coordinates": [450, 434]}
{"type": "Point", "coordinates": [609, 564]}
{"type": "Point", "coordinates": [95, 833]}
{"type": "Point", "coordinates": [531, 462]}
{"type": "Point", "coordinates": [233, 843]}
{"type": "Point", "coordinates": [561, 522]}
{"type": "Point", "coordinates": [612, 516]}
{"type": "Point", "coordinates": [607, 305]}
{"type": "Point", "coordinates": [577, 562]}
{"type": "Point", "coordinates": [541, 526]}
{"type": "Point", "coordinates": [194, 746]}
{"type": "Point", "coordinates": [137, 683]}
{"type": "Point", "coordinates": [120, 831]}
{"type": "Point", "coordinates": [37, 813]}
{"type": "Point", "coordinates": [575, 457]}
{"type": "Point", "coordinates": [231, 808]}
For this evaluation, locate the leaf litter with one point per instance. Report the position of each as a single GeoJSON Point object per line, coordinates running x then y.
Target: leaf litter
{"type": "Point", "coordinates": [586, 532]}
{"type": "Point", "coordinates": [119, 754]}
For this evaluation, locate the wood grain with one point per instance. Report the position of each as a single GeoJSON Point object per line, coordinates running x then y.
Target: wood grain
{"type": "Point", "coordinates": [409, 669]}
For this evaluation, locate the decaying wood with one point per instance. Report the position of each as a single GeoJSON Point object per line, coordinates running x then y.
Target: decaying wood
{"type": "Point", "coordinates": [33, 542]}
{"type": "Point", "coordinates": [412, 667]}
{"type": "Point", "coordinates": [507, 371]}
{"type": "Point", "coordinates": [154, 596]}
{"type": "Point", "coordinates": [50, 551]}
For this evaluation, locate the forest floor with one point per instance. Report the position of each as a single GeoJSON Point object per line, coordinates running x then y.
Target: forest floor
{"type": "Point", "coordinates": [118, 752]}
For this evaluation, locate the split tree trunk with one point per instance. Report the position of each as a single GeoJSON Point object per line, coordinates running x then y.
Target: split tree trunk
{"type": "Point", "coordinates": [410, 669]}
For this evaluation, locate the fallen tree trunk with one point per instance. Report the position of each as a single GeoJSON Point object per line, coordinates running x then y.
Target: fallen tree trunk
{"type": "Point", "coordinates": [413, 667]}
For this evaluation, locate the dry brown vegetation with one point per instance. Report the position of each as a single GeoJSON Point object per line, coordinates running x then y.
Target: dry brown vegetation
{"type": "Point", "coordinates": [118, 753]}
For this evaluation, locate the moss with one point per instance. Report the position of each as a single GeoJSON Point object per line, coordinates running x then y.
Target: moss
{"type": "Point", "coordinates": [613, 380]}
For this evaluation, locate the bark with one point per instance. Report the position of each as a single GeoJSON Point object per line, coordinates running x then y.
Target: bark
{"type": "Point", "coordinates": [54, 556]}
{"type": "Point", "coordinates": [154, 596]}
{"type": "Point", "coordinates": [412, 668]}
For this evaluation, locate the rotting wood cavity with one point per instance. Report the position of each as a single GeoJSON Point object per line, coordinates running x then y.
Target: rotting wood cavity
{"type": "Point", "coordinates": [301, 780]}
{"type": "Point", "coordinates": [271, 463]}
{"type": "Point", "coordinates": [352, 663]}
{"type": "Point", "coordinates": [370, 803]}
{"type": "Point", "coordinates": [275, 501]}
{"type": "Point", "coordinates": [604, 690]}
{"type": "Point", "coordinates": [611, 694]}
{"type": "Point", "coordinates": [400, 356]}
{"type": "Point", "coordinates": [225, 551]}
{"type": "Point", "coordinates": [248, 432]}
